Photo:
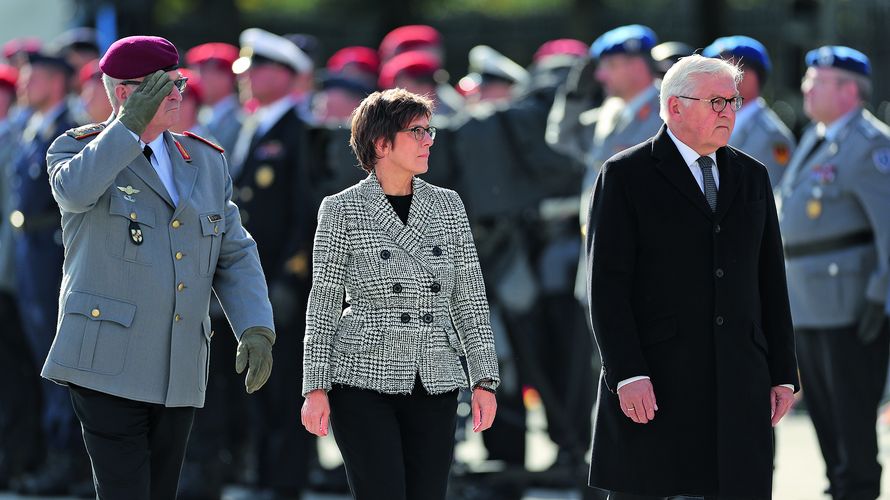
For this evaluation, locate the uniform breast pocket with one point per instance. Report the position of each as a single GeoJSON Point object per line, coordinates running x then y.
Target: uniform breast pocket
{"type": "Point", "coordinates": [213, 226]}
{"type": "Point", "coordinates": [94, 334]}
{"type": "Point", "coordinates": [130, 231]}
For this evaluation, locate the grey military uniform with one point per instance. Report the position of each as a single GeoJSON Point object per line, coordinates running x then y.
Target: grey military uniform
{"type": "Point", "coordinates": [764, 136]}
{"type": "Point", "coordinates": [223, 121]}
{"type": "Point", "coordinates": [138, 272]}
{"type": "Point", "coordinates": [835, 225]}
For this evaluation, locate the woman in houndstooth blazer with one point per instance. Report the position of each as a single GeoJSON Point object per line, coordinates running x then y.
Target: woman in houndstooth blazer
{"type": "Point", "coordinates": [387, 368]}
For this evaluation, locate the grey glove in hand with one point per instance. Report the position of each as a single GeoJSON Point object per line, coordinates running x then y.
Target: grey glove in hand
{"type": "Point", "coordinates": [141, 106]}
{"type": "Point", "coordinates": [255, 354]}
{"type": "Point", "coordinates": [872, 324]}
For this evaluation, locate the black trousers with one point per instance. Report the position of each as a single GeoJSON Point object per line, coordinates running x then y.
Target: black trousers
{"type": "Point", "coordinates": [136, 448]}
{"type": "Point", "coordinates": [842, 381]}
{"type": "Point", "coordinates": [395, 447]}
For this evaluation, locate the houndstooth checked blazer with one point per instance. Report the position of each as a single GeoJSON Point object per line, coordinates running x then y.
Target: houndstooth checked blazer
{"type": "Point", "coordinates": [406, 285]}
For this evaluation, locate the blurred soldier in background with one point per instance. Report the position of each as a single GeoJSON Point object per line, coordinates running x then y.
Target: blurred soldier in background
{"type": "Point", "coordinates": [492, 78]}
{"type": "Point", "coordinates": [422, 38]}
{"type": "Point", "coordinates": [273, 192]}
{"type": "Point", "coordinates": [17, 50]}
{"type": "Point", "coordinates": [665, 54]}
{"type": "Point", "coordinates": [221, 112]}
{"type": "Point", "coordinates": [77, 46]}
{"type": "Point", "coordinates": [20, 433]}
{"type": "Point", "coordinates": [835, 197]}
{"type": "Point", "coordinates": [350, 75]}
{"type": "Point", "coordinates": [38, 262]}
{"type": "Point", "coordinates": [93, 104]}
{"type": "Point", "coordinates": [192, 100]}
{"type": "Point", "coordinates": [304, 84]}
{"type": "Point", "coordinates": [758, 130]}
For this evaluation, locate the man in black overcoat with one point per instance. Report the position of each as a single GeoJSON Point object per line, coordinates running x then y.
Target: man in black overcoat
{"type": "Point", "coordinates": [689, 305]}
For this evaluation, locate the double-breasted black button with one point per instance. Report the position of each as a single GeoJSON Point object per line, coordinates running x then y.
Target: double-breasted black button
{"type": "Point", "coordinates": [435, 287]}
{"type": "Point", "coordinates": [427, 318]}
{"type": "Point", "coordinates": [397, 288]}
{"type": "Point", "coordinates": [406, 317]}
{"type": "Point", "coordinates": [437, 251]}
{"type": "Point", "coordinates": [385, 254]}
{"type": "Point", "coordinates": [718, 273]}
{"type": "Point", "coordinates": [719, 320]}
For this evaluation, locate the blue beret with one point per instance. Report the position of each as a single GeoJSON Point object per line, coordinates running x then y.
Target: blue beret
{"type": "Point", "coordinates": [634, 39]}
{"type": "Point", "coordinates": [743, 49]}
{"type": "Point", "coordinates": [836, 56]}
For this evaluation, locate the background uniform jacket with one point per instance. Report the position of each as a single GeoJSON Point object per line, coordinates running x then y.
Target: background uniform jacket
{"type": "Point", "coordinates": [133, 319]}
{"type": "Point", "coordinates": [697, 301]}
{"type": "Point", "coordinates": [405, 284]}
{"type": "Point", "coordinates": [765, 137]}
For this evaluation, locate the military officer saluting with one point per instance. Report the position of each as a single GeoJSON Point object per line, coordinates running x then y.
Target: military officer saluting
{"type": "Point", "coordinates": [149, 228]}
{"type": "Point", "coordinates": [835, 198]}
{"type": "Point", "coordinates": [758, 130]}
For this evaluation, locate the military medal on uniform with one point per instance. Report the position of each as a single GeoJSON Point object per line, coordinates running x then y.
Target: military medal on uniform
{"type": "Point", "coordinates": [135, 233]}
{"type": "Point", "coordinates": [822, 175]}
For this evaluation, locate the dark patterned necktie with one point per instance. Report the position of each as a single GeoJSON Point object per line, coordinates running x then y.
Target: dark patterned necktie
{"type": "Point", "coordinates": [705, 163]}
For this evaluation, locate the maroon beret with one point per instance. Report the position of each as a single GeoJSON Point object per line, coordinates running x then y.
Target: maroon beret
{"type": "Point", "coordinates": [138, 56]}
{"type": "Point", "coordinates": [8, 77]}
{"type": "Point", "coordinates": [415, 64]}
{"type": "Point", "coordinates": [223, 52]}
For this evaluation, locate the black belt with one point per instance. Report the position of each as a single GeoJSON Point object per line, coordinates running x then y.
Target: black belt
{"type": "Point", "coordinates": [832, 245]}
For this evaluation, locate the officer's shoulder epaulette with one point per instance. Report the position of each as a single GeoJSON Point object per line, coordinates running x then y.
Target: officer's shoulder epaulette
{"type": "Point", "coordinates": [871, 127]}
{"type": "Point", "coordinates": [86, 131]}
{"type": "Point", "coordinates": [208, 142]}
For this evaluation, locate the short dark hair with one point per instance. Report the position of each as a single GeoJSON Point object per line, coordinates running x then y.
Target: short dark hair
{"type": "Point", "coordinates": [382, 115]}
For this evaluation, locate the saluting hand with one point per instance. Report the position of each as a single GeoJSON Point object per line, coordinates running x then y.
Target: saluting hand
{"type": "Point", "coordinates": [140, 107]}
{"type": "Point", "coordinates": [637, 400]}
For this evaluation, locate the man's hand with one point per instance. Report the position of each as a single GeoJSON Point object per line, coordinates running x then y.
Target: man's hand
{"type": "Point", "coordinates": [872, 324]}
{"type": "Point", "coordinates": [141, 106]}
{"type": "Point", "coordinates": [315, 412]}
{"type": "Point", "coordinates": [781, 399]}
{"type": "Point", "coordinates": [637, 400]}
{"type": "Point", "coordinates": [485, 406]}
{"type": "Point", "coordinates": [255, 354]}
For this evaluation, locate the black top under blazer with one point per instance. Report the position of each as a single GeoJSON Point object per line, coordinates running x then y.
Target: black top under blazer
{"type": "Point", "coordinates": [696, 300]}
{"type": "Point", "coordinates": [407, 286]}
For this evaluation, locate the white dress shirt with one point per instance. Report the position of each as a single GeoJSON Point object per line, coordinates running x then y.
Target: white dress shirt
{"type": "Point", "coordinates": [160, 160]}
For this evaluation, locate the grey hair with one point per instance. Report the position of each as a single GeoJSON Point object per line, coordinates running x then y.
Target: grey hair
{"type": "Point", "coordinates": [679, 80]}
{"type": "Point", "coordinates": [110, 83]}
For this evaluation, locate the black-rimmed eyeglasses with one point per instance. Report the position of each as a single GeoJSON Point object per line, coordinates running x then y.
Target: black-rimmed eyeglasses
{"type": "Point", "coordinates": [718, 104]}
{"type": "Point", "coordinates": [179, 83]}
{"type": "Point", "coordinates": [419, 132]}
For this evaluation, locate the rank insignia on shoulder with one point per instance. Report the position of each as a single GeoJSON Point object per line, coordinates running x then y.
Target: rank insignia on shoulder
{"type": "Point", "coordinates": [208, 142]}
{"type": "Point", "coordinates": [86, 131]}
{"type": "Point", "coordinates": [881, 157]}
{"type": "Point", "coordinates": [781, 153]}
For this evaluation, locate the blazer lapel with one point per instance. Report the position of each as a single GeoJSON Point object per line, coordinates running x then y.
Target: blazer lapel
{"type": "Point", "coordinates": [145, 171]}
{"type": "Point", "coordinates": [408, 236]}
{"type": "Point", "coordinates": [184, 173]}
{"type": "Point", "coordinates": [729, 180]}
{"type": "Point", "coordinates": [669, 162]}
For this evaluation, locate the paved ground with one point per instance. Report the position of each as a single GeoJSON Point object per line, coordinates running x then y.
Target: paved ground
{"type": "Point", "coordinates": [800, 473]}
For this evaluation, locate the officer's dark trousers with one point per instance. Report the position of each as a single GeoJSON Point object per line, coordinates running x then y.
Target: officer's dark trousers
{"type": "Point", "coordinates": [136, 448]}
{"type": "Point", "coordinates": [395, 447]}
{"type": "Point", "coordinates": [842, 382]}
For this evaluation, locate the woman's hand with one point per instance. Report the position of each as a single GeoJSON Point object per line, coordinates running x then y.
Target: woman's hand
{"type": "Point", "coordinates": [315, 412]}
{"type": "Point", "coordinates": [485, 406]}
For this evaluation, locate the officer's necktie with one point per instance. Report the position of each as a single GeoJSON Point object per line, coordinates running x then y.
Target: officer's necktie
{"type": "Point", "coordinates": [147, 152]}
{"type": "Point", "coordinates": [705, 163]}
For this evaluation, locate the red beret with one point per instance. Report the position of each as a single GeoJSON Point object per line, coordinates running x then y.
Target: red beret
{"type": "Point", "coordinates": [138, 56]}
{"type": "Point", "coordinates": [194, 87]}
{"type": "Point", "coordinates": [416, 63]}
{"type": "Point", "coordinates": [362, 59]}
{"type": "Point", "coordinates": [89, 71]}
{"type": "Point", "coordinates": [407, 38]}
{"type": "Point", "coordinates": [16, 45]}
{"type": "Point", "coordinates": [562, 46]}
{"type": "Point", "coordinates": [8, 76]}
{"type": "Point", "coordinates": [223, 53]}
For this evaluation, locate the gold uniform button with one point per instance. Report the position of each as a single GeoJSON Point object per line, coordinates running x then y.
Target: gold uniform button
{"type": "Point", "coordinates": [95, 313]}
{"type": "Point", "coordinates": [176, 224]}
{"type": "Point", "coordinates": [133, 215]}
{"type": "Point", "coordinates": [180, 286]}
{"type": "Point", "coordinates": [177, 317]}
{"type": "Point", "coordinates": [215, 229]}
{"type": "Point", "coordinates": [179, 256]}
